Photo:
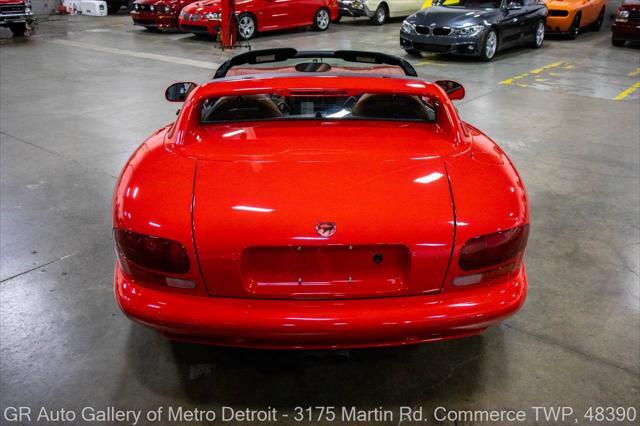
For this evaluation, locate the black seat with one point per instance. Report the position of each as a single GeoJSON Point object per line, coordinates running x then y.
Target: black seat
{"type": "Point", "coordinates": [251, 107]}
{"type": "Point", "coordinates": [391, 106]}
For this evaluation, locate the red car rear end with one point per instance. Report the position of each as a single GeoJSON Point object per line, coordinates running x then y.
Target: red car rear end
{"type": "Point", "coordinates": [383, 221]}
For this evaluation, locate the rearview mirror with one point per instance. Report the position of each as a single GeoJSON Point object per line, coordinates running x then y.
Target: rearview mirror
{"type": "Point", "coordinates": [178, 92]}
{"type": "Point", "coordinates": [454, 90]}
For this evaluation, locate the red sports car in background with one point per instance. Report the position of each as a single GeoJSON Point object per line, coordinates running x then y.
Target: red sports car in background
{"type": "Point", "coordinates": [157, 14]}
{"type": "Point", "coordinates": [255, 16]}
{"type": "Point", "coordinates": [626, 25]}
{"type": "Point", "coordinates": [332, 200]}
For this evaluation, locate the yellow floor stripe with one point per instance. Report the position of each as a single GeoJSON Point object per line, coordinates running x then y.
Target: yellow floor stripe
{"type": "Point", "coordinates": [634, 73]}
{"type": "Point", "coordinates": [428, 62]}
{"type": "Point", "coordinates": [534, 72]}
{"type": "Point", "coordinates": [546, 67]}
{"type": "Point", "coordinates": [627, 92]}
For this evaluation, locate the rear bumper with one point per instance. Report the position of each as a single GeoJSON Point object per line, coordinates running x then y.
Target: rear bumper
{"type": "Point", "coordinates": [320, 324]}
{"type": "Point", "coordinates": [154, 20]}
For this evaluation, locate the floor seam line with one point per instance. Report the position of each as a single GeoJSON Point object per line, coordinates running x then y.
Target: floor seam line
{"type": "Point", "coordinates": [32, 144]}
{"type": "Point", "coordinates": [572, 349]}
{"type": "Point", "coordinates": [36, 267]}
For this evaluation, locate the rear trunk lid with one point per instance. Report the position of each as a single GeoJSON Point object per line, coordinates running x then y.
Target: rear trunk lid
{"type": "Point", "coordinates": [300, 211]}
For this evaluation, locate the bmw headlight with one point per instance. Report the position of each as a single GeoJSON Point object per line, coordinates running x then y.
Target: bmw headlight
{"type": "Point", "coordinates": [136, 6]}
{"type": "Point", "coordinates": [470, 31]}
{"type": "Point", "coordinates": [152, 8]}
{"type": "Point", "coordinates": [407, 27]}
{"type": "Point", "coordinates": [212, 16]}
{"type": "Point", "coordinates": [358, 4]}
{"type": "Point", "coordinates": [623, 16]}
{"type": "Point", "coordinates": [166, 8]}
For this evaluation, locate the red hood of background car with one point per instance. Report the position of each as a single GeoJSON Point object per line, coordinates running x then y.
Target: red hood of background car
{"type": "Point", "coordinates": [156, 2]}
{"type": "Point", "coordinates": [11, 1]}
{"type": "Point", "coordinates": [206, 6]}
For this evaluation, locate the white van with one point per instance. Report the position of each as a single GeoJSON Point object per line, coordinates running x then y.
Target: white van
{"type": "Point", "coordinates": [380, 10]}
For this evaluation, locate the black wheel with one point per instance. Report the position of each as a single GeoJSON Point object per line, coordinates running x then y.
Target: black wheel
{"type": "Point", "coordinates": [381, 15]}
{"type": "Point", "coordinates": [617, 42]}
{"type": "Point", "coordinates": [413, 52]}
{"type": "Point", "coordinates": [575, 27]}
{"type": "Point", "coordinates": [113, 8]}
{"type": "Point", "coordinates": [490, 45]}
{"type": "Point", "coordinates": [247, 26]}
{"type": "Point", "coordinates": [598, 23]}
{"type": "Point", "coordinates": [538, 35]}
{"type": "Point", "coordinates": [338, 19]}
{"type": "Point", "coordinates": [321, 19]}
{"type": "Point", "coordinates": [18, 30]}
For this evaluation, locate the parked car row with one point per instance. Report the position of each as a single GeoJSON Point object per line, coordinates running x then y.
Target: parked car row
{"type": "Point", "coordinates": [479, 28]}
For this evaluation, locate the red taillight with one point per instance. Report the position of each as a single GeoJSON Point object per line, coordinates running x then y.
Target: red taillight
{"type": "Point", "coordinates": [155, 253]}
{"type": "Point", "coordinates": [492, 256]}
{"type": "Point", "coordinates": [493, 249]}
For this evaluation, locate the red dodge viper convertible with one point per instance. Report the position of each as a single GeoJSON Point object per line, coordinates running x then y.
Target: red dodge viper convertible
{"type": "Point", "coordinates": [319, 200]}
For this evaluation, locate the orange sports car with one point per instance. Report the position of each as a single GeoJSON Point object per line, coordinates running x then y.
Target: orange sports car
{"type": "Point", "coordinates": [570, 16]}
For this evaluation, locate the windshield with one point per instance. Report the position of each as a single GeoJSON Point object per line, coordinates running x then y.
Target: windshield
{"type": "Point", "coordinates": [470, 4]}
{"type": "Point", "coordinates": [328, 106]}
{"type": "Point", "coordinates": [287, 60]}
{"type": "Point", "coordinates": [316, 65]}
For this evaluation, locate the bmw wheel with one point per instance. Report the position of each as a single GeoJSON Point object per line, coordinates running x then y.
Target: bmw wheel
{"type": "Point", "coordinates": [598, 23]}
{"type": "Point", "coordinates": [246, 26]}
{"type": "Point", "coordinates": [321, 19]}
{"type": "Point", "coordinates": [490, 46]}
{"type": "Point", "coordinates": [575, 27]}
{"type": "Point", "coordinates": [380, 17]}
{"type": "Point", "coordinates": [539, 35]}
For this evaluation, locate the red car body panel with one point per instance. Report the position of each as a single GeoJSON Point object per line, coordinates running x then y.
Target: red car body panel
{"type": "Point", "coordinates": [320, 324]}
{"type": "Point", "coordinates": [243, 199]}
{"type": "Point", "coordinates": [159, 18]}
{"type": "Point", "coordinates": [627, 29]}
{"type": "Point", "coordinates": [270, 15]}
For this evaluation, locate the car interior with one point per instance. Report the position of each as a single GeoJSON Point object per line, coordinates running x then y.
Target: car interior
{"type": "Point", "coordinates": [371, 106]}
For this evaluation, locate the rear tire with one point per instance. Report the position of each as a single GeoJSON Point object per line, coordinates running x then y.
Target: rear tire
{"type": "Point", "coordinates": [18, 30]}
{"type": "Point", "coordinates": [598, 23]}
{"type": "Point", "coordinates": [538, 35]}
{"type": "Point", "coordinates": [321, 19]}
{"type": "Point", "coordinates": [575, 27]}
{"type": "Point", "coordinates": [490, 46]}
{"type": "Point", "coordinates": [381, 15]}
{"type": "Point", "coordinates": [617, 42]}
{"type": "Point", "coordinates": [247, 26]}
